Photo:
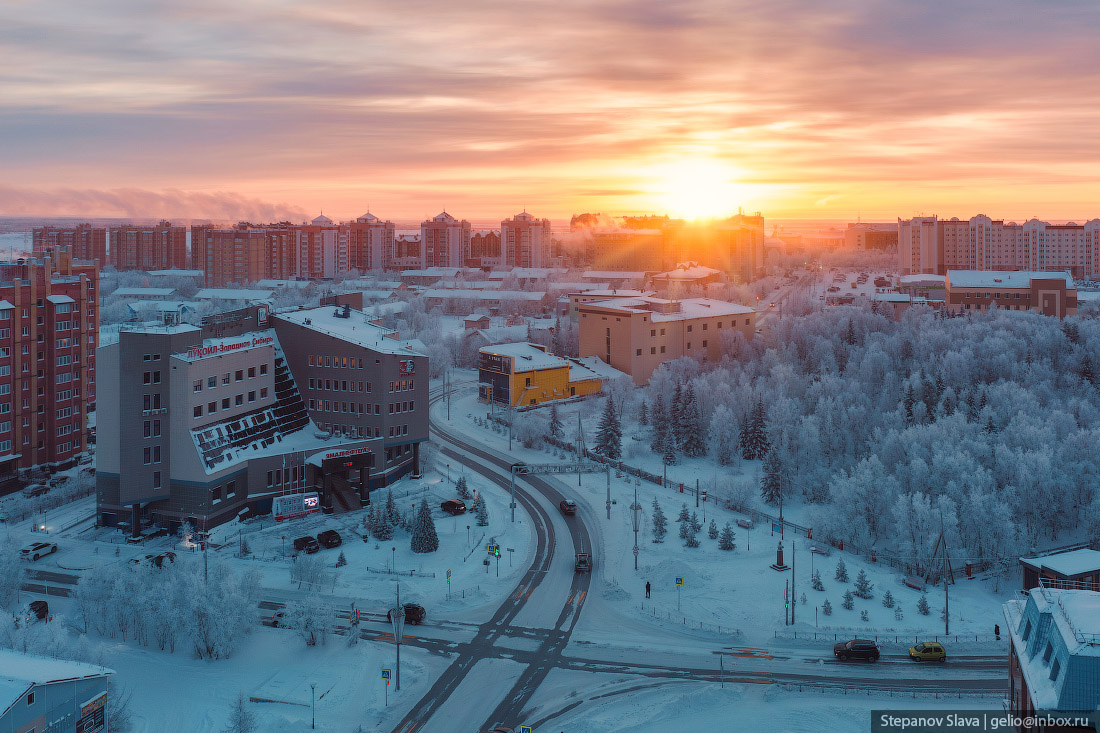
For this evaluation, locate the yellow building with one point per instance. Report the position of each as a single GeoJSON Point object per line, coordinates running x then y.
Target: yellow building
{"type": "Point", "coordinates": [525, 374]}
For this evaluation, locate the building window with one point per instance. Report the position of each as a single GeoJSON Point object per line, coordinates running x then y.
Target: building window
{"type": "Point", "coordinates": [251, 372]}
{"type": "Point", "coordinates": [312, 404]}
{"type": "Point", "coordinates": [637, 352]}
{"type": "Point", "coordinates": [263, 393]}
{"type": "Point", "coordinates": [252, 396]}
{"type": "Point", "coordinates": [1027, 631]}
{"type": "Point", "coordinates": [311, 360]}
{"type": "Point", "coordinates": [197, 385]}
{"type": "Point", "coordinates": [263, 369]}
{"type": "Point", "coordinates": [225, 378]}
{"type": "Point", "coordinates": [662, 349]}
{"type": "Point", "coordinates": [30, 698]}
{"type": "Point", "coordinates": [239, 375]}
{"type": "Point", "coordinates": [156, 479]}
{"type": "Point", "coordinates": [704, 343]}
{"type": "Point", "coordinates": [198, 411]}
{"type": "Point", "coordinates": [1055, 669]}
{"type": "Point", "coordinates": [238, 400]}
{"type": "Point", "coordinates": [225, 403]}
{"type": "Point", "coordinates": [1047, 653]}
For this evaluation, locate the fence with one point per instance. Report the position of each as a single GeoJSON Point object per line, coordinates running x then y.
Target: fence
{"type": "Point", "coordinates": [825, 688]}
{"type": "Point", "coordinates": [841, 635]}
{"type": "Point", "coordinates": [671, 617]}
{"type": "Point", "coordinates": [24, 507]}
{"type": "Point", "coordinates": [404, 573]}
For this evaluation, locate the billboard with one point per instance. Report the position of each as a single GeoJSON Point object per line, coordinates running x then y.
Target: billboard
{"type": "Point", "coordinates": [93, 715]}
{"type": "Point", "coordinates": [295, 505]}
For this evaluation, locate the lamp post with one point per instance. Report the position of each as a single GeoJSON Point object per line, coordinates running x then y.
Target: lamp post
{"type": "Point", "coordinates": [313, 690]}
{"type": "Point", "coordinates": [393, 559]}
{"type": "Point", "coordinates": [636, 517]}
{"type": "Point", "coordinates": [448, 473]}
{"type": "Point", "coordinates": [284, 545]}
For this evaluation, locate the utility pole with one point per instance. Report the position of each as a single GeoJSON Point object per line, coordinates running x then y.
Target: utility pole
{"type": "Point", "coordinates": [447, 387]}
{"type": "Point", "coordinates": [794, 600]}
{"type": "Point", "coordinates": [400, 611]}
{"type": "Point", "coordinates": [608, 491]}
{"type": "Point", "coordinates": [634, 515]}
{"type": "Point", "coordinates": [696, 493]}
{"type": "Point", "coordinates": [580, 446]}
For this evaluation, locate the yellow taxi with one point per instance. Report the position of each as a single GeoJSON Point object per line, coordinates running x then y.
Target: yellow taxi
{"type": "Point", "coordinates": [932, 651]}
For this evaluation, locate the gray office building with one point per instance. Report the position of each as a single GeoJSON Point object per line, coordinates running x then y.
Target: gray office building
{"type": "Point", "coordinates": [39, 694]}
{"type": "Point", "coordinates": [202, 424]}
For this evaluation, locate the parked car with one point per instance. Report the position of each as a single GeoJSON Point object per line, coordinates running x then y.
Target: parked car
{"type": "Point", "coordinates": [330, 538]}
{"type": "Point", "coordinates": [156, 560]}
{"type": "Point", "coordinates": [856, 649]}
{"type": "Point", "coordinates": [453, 507]}
{"type": "Point", "coordinates": [41, 609]}
{"type": "Point", "coordinates": [414, 613]}
{"type": "Point", "coordinates": [568, 507]}
{"type": "Point", "coordinates": [36, 490]}
{"type": "Point", "coordinates": [928, 651]}
{"type": "Point", "coordinates": [276, 619]}
{"type": "Point", "coordinates": [38, 549]}
{"type": "Point", "coordinates": [307, 544]}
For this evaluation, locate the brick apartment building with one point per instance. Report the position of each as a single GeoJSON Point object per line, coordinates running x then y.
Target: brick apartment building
{"type": "Point", "coordinates": [1049, 293]}
{"type": "Point", "coordinates": [636, 335]}
{"type": "Point", "coordinates": [49, 324]}
{"type": "Point", "coordinates": [84, 241]}
{"type": "Point", "coordinates": [199, 424]}
{"type": "Point", "coordinates": [444, 241]}
{"type": "Point", "coordinates": [159, 247]}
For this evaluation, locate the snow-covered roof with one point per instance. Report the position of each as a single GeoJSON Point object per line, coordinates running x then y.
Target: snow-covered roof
{"type": "Point", "coordinates": [233, 294]}
{"type": "Point", "coordinates": [679, 310]}
{"type": "Point", "coordinates": [23, 671]}
{"type": "Point", "coordinates": [322, 220]}
{"type": "Point", "coordinates": [602, 369]}
{"type": "Point", "coordinates": [1082, 295]}
{"type": "Point", "coordinates": [163, 306]}
{"type": "Point", "coordinates": [356, 329]}
{"type": "Point", "coordinates": [367, 218]}
{"type": "Point", "coordinates": [475, 317]}
{"type": "Point", "coordinates": [57, 299]}
{"type": "Point", "coordinates": [526, 357]}
{"type": "Point", "coordinates": [302, 284]}
{"type": "Point", "coordinates": [6, 305]}
{"type": "Point", "coordinates": [559, 286]}
{"type": "Point", "coordinates": [1068, 564]}
{"type": "Point", "coordinates": [612, 275]}
{"type": "Point", "coordinates": [688, 271]}
{"type": "Point", "coordinates": [922, 278]}
{"type": "Point", "coordinates": [539, 273]}
{"type": "Point", "coordinates": [461, 294]}
{"type": "Point", "coordinates": [1002, 278]}
{"type": "Point", "coordinates": [372, 295]}
{"type": "Point", "coordinates": [176, 273]}
{"type": "Point", "coordinates": [616, 293]}
{"type": "Point", "coordinates": [148, 292]}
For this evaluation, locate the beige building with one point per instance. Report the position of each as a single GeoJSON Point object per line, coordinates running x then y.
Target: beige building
{"type": "Point", "coordinates": [636, 335]}
{"type": "Point", "coordinates": [1049, 293]}
{"type": "Point", "coordinates": [588, 296]}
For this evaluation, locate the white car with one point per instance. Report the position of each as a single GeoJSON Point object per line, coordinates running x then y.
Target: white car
{"type": "Point", "coordinates": [38, 549]}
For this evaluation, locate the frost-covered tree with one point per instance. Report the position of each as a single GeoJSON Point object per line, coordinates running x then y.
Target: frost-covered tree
{"type": "Point", "coordinates": [643, 414]}
{"type": "Point", "coordinates": [609, 437]}
{"type": "Point", "coordinates": [726, 539]}
{"type": "Point", "coordinates": [771, 481]}
{"type": "Point", "coordinates": [864, 588]}
{"type": "Point", "coordinates": [659, 422]}
{"type": "Point", "coordinates": [482, 514]}
{"type": "Point", "coordinates": [815, 582]}
{"type": "Point", "coordinates": [391, 511]}
{"type": "Point", "coordinates": [660, 523]}
{"type": "Point", "coordinates": [888, 599]}
{"type": "Point", "coordinates": [462, 488]}
{"type": "Point", "coordinates": [848, 603]}
{"type": "Point", "coordinates": [922, 605]}
{"type": "Point", "coordinates": [827, 608]}
{"type": "Point", "coordinates": [555, 423]}
{"type": "Point", "coordinates": [841, 575]}
{"type": "Point", "coordinates": [712, 530]}
{"type": "Point", "coordinates": [863, 616]}
{"type": "Point", "coordinates": [694, 444]}
{"type": "Point", "coordinates": [675, 406]}
{"type": "Point", "coordinates": [241, 718]}
{"type": "Point", "coordinates": [424, 537]}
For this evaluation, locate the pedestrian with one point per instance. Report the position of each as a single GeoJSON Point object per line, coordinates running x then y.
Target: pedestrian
{"type": "Point", "coordinates": [647, 589]}
{"type": "Point", "coordinates": [997, 631]}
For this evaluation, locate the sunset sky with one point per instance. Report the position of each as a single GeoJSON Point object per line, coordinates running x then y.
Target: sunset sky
{"type": "Point", "coordinates": [809, 108]}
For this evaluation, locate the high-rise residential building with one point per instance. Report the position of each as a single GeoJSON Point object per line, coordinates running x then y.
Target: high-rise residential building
{"type": "Point", "coordinates": [229, 256]}
{"type": "Point", "coordinates": [200, 424]}
{"type": "Point", "coordinates": [868, 235]}
{"type": "Point", "coordinates": [525, 241]}
{"type": "Point", "coordinates": [636, 335]}
{"type": "Point", "coordinates": [371, 243]}
{"type": "Point", "coordinates": [322, 249]}
{"type": "Point", "coordinates": [84, 241]}
{"type": "Point", "coordinates": [739, 246]}
{"type": "Point", "coordinates": [444, 242]}
{"type": "Point", "coordinates": [928, 244]}
{"type": "Point", "coordinates": [159, 247]}
{"type": "Point", "coordinates": [281, 251]}
{"type": "Point", "coordinates": [49, 325]}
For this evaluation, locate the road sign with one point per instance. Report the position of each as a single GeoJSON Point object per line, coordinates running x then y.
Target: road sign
{"type": "Point", "coordinates": [448, 574]}
{"type": "Point", "coordinates": [679, 580]}
{"type": "Point", "coordinates": [493, 548]}
{"type": "Point", "coordinates": [386, 675]}
{"type": "Point", "coordinates": [777, 527]}
{"type": "Point", "coordinates": [525, 729]}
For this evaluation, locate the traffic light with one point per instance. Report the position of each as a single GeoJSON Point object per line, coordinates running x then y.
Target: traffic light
{"type": "Point", "coordinates": [497, 553]}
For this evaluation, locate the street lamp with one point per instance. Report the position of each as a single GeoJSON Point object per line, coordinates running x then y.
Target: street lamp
{"type": "Point", "coordinates": [636, 518]}
{"type": "Point", "coordinates": [393, 559]}
{"type": "Point", "coordinates": [313, 689]}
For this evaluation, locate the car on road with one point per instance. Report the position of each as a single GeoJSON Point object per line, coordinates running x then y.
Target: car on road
{"type": "Point", "coordinates": [856, 649]}
{"type": "Point", "coordinates": [414, 613]}
{"type": "Point", "coordinates": [568, 507]}
{"type": "Point", "coordinates": [307, 544]}
{"type": "Point", "coordinates": [37, 550]}
{"type": "Point", "coordinates": [330, 538]}
{"type": "Point", "coordinates": [583, 563]}
{"type": "Point", "coordinates": [453, 507]}
{"type": "Point", "coordinates": [928, 651]}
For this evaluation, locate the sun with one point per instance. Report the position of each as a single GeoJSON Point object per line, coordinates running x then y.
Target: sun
{"type": "Point", "coordinates": [699, 188]}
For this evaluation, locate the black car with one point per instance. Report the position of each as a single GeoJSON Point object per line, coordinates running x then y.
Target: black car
{"type": "Point", "coordinates": [568, 507]}
{"type": "Point", "coordinates": [307, 544]}
{"type": "Point", "coordinates": [277, 619]}
{"type": "Point", "coordinates": [330, 538]}
{"type": "Point", "coordinates": [856, 649]}
{"type": "Point", "coordinates": [414, 613]}
{"type": "Point", "coordinates": [453, 507]}
{"type": "Point", "coordinates": [41, 609]}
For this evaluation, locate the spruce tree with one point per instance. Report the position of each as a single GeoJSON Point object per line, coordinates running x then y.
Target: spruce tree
{"type": "Point", "coordinates": [827, 608]}
{"type": "Point", "coordinates": [771, 482]}
{"type": "Point", "coordinates": [743, 442]}
{"type": "Point", "coordinates": [695, 439]}
{"type": "Point", "coordinates": [712, 531]}
{"type": "Point", "coordinates": [675, 405]}
{"type": "Point", "coordinates": [910, 400]}
{"type": "Point", "coordinates": [643, 414]}
{"type": "Point", "coordinates": [609, 434]}
{"type": "Point", "coordinates": [898, 614]}
{"type": "Point", "coordinates": [841, 571]}
{"type": "Point", "coordinates": [659, 422]}
{"type": "Point", "coordinates": [392, 515]}
{"type": "Point", "coordinates": [864, 589]}
{"type": "Point", "coordinates": [668, 457]}
{"type": "Point", "coordinates": [756, 436]}
{"type": "Point", "coordinates": [462, 488]}
{"type": "Point", "coordinates": [863, 616]}
{"type": "Point", "coordinates": [660, 523]}
{"type": "Point", "coordinates": [424, 536]}
{"type": "Point", "coordinates": [696, 525]}
{"type": "Point", "coordinates": [684, 520]}
{"type": "Point", "coordinates": [341, 561]}
{"type": "Point", "coordinates": [850, 336]}
{"type": "Point", "coordinates": [1088, 375]}
{"type": "Point", "coordinates": [683, 418]}
{"type": "Point", "coordinates": [383, 528]}
{"type": "Point", "coordinates": [922, 605]}
{"type": "Point", "coordinates": [888, 599]}
{"type": "Point", "coordinates": [555, 423]}
{"type": "Point", "coordinates": [683, 516]}
{"type": "Point", "coordinates": [848, 603]}
{"type": "Point", "coordinates": [726, 539]}
{"type": "Point", "coordinates": [482, 514]}
{"type": "Point", "coordinates": [816, 581]}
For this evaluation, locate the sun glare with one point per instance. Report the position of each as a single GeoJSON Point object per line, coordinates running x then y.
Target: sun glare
{"type": "Point", "coordinates": [696, 189]}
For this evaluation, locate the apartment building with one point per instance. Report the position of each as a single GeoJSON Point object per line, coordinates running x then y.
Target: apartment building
{"type": "Point", "coordinates": [867, 235]}
{"type": "Point", "coordinates": [636, 335]}
{"type": "Point", "coordinates": [485, 248]}
{"type": "Point", "coordinates": [84, 241]}
{"type": "Point", "coordinates": [199, 424]}
{"type": "Point", "coordinates": [160, 247]}
{"type": "Point", "coordinates": [370, 243]}
{"type": "Point", "coordinates": [233, 256]}
{"type": "Point", "coordinates": [525, 241]}
{"type": "Point", "coordinates": [323, 249]}
{"type": "Point", "coordinates": [49, 325]}
{"type": "Point", "coordinates": [932, 245]}
{"type": "Point", "coordinates": [444, 241]}
{"type": "Point", "coordinates": [1049, 293]}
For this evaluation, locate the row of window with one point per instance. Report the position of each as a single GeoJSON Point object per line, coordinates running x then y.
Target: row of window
{"type": "Point", "coordinates": [338, 362]}
{"type": "Point", "coordinates": [238, 400]}
{"type": "Point", "coordinates": [395, 431]}
{"type": "Point", "coordinates": [401, 385]}
{"type": "Point", "coordinates": [151, 455]}
{"type": "Point", "coordinates": [340, 384]}
{"type": "Point", "coordinates": [361, 408]}
{"type": "Point", "coordinates": [279, 477]}
{"type": "Point", "coordinates": [237, 376]}
{"type": "Point", "coordinates": [223, 492]}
